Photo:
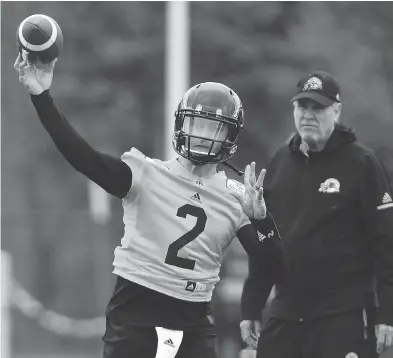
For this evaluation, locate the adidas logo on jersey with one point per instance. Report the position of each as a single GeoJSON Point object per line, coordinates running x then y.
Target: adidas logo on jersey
{"type": "Point", "coordinates": [197, 198]}
{"type": "Point", "coordinates": [195, 286]}
{"type": "Point", "coordinates": [386, 198]}
{"type": "Point", "coordinates": [169, 342]}
{"type": "Point", "coordinates": [190, 286]}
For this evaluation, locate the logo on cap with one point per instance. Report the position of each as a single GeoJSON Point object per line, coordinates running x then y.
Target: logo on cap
{"type": "Point", "coordinates": [313, 83]}
{"type": "Point", "coordinates": [351, 355]}
{"type": "Point", "coordinates": [330, 185]}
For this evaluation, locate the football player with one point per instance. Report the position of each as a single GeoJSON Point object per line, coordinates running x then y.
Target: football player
{"type": "Point", "coordinates": [179, 217]}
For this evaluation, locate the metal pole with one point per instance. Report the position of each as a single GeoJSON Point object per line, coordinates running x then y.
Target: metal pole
{"type": "Point", "coordinates": [6, 284]}
{"type": "Point", "coordinates": [177, 39]}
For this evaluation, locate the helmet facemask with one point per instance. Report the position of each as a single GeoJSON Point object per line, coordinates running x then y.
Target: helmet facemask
{"type": "Point", "coordinates": [203, 137]}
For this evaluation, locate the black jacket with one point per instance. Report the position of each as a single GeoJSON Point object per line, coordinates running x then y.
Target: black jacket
{"type": "Point", "coordinates": [334, 212]}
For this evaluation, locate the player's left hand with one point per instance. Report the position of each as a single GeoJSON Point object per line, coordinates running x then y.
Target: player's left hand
{"type": "Point", "coordinates": [384, 334]}
{"type": "Point", "coordinates": [252, 201]}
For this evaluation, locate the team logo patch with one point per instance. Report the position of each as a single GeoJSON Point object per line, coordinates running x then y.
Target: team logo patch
{"type": "Point", "coordinates": [351, 355]}
{"type": "Point", "coordinates": [314, 83]}
{"type": "Point", "coordinates": [330, 185]}
{"type": "Point", "coordinates": [235, 185]}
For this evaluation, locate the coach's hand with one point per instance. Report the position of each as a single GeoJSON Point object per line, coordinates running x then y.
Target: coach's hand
{"type": "Point", "coordinates": [250, 331]}
{"type": "Point", "coordinates": [36, 77]}
{"type": "Point", "coordinates": [252, 201]}
{"type": "Point", "coordinates": [384, 335]}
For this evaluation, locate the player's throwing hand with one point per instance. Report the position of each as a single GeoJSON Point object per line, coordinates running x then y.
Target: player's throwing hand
{"type": "Point", "coordinates": [36, 80]}
{"type": "Point", "coordinates": [252, 201]}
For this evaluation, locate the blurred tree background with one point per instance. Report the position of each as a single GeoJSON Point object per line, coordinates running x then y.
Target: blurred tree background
{"type": "Point", "coordinates": [109, 82]}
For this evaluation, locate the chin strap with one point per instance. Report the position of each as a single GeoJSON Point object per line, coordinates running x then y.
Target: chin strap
{"type": "Point", "coordinates": [237, 171]}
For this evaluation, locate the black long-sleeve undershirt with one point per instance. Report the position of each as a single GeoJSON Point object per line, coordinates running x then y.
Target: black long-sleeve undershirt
{"type": "Point", "coordinates": [263, 265]}
{"type": "Point", "coordinates": [110, 173]}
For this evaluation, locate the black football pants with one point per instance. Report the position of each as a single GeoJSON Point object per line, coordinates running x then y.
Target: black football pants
{"type": "Point", "coordinates": [141, 342]}
{"type": "Point", "coordinates": [342, 335]}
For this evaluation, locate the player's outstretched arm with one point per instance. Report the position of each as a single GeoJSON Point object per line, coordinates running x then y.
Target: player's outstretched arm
{"type": "Point", "coordinates": [111, 173]}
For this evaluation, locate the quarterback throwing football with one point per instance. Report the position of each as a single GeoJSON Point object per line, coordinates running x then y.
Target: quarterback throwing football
{"type": "Point", "coordinates": [180, 217]}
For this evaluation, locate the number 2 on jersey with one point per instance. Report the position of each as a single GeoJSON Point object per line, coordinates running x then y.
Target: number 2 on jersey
{"type": "Point", "coordinates": [174, 247]}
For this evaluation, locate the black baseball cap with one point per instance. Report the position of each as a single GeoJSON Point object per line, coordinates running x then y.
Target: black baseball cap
{"type": "Point", "coordinates": [319, 86]}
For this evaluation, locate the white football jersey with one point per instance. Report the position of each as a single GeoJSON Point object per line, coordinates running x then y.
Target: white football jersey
{"type": "Point", "coordinates": [177, 227]}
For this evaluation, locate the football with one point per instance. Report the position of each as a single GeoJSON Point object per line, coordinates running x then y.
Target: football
{"type": "Point", "coordinates": [41, 37]}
